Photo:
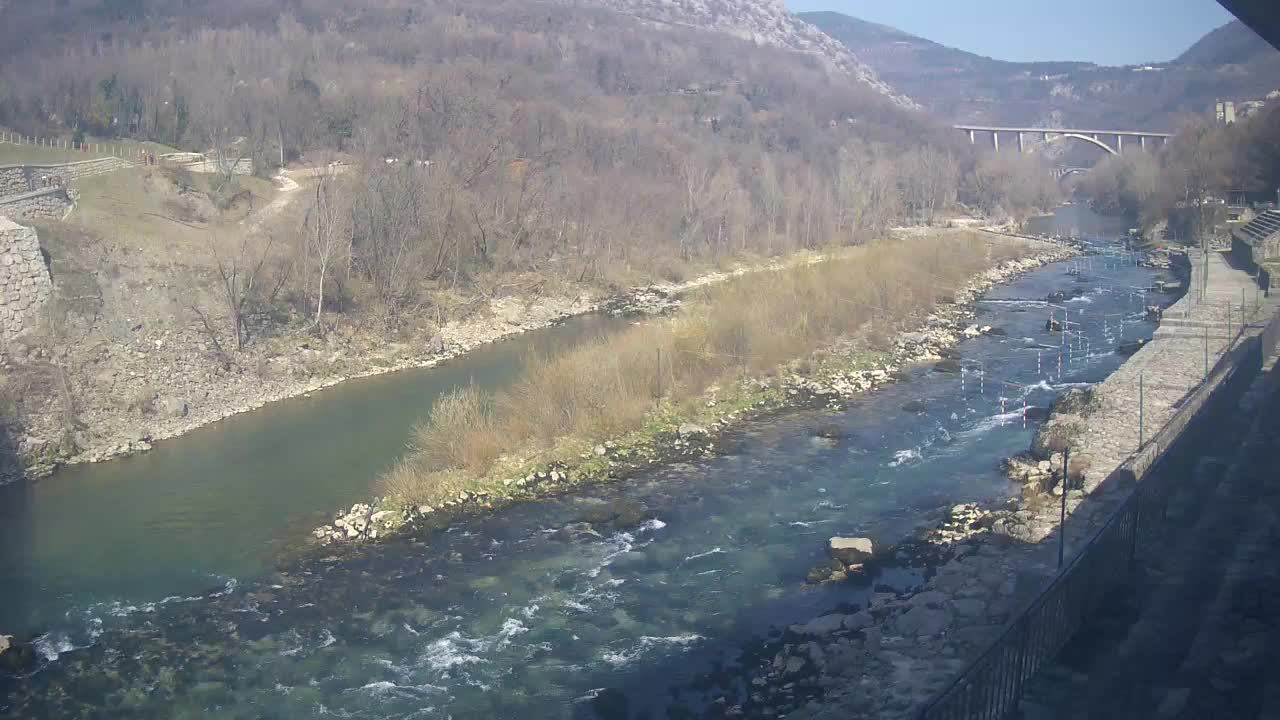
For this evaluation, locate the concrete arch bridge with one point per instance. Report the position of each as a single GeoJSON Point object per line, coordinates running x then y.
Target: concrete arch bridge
{"type": "Point", "coordinates": [1099, 138]}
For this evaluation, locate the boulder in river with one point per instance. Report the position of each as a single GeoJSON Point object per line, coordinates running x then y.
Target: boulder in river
{"type": "Point", "coordinates": [851, 550]}
{"type": "Point", "coordinates": [15, 657]}
{"type": "Point", "coordinates": [1129, 347]}
{"type": "Point", "coordinates": [621, 513]}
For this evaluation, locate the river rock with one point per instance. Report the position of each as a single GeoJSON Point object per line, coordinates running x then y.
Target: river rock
{"type": "Point", "coordinates": [688, 430]}
{"type": "Point", "coordinates": [820, 626]}
{"type": "Point", "coordinates": [851, 550]}
{"type": "Point", "coordinates": [174, 407]}
{"type": "Point", "coordinates": [923, 620]}
{"type": "Point", "coordinates": [969, 607]}
{"type": "Point", "coordinates": [915, 406]}
{"type": "Point", "coordinates": [16, 657]}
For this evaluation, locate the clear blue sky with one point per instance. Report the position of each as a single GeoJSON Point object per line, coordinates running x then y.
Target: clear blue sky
{"type": "Point", "coordinates": [1107, 32]}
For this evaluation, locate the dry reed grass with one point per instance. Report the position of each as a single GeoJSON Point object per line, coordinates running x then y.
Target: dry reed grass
{"type": "Point", "coordinates": [752, 325]}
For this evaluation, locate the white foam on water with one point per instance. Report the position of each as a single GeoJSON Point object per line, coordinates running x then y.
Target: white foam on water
{"type": "Point", "coordinates": [652, 524]}
{"type": "Point", "coordinates": [589, 695]}
{"type": "Point", "coordinates": [453, 650]}
{"type": "Point", "coordinates": [50, 645]}
{"type": "Point", "coordinates": [1081, 299]}
{"type": "Point", "coordinates": [712, 551]}
{"type": "Point", "coordinates": [386, 688]}
{"type": "Point", "coordinates": [530, 610]}
{"type": "Point", "coordinates": [328, 640]}
{"type": "Point", "coordinates": [903, 457]}
{"type": "Point", "coordinates": [620, 658]}
{"type": "Point", "coordinates": [993, 422]}
{"type": "Point", "coordinates": [511, 627]}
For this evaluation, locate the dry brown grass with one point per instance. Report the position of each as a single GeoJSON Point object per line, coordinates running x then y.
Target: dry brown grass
{"type": "Point", "coordinates": [750, 326]}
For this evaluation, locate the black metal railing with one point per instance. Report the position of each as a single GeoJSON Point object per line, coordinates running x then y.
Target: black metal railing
{"type": "Point", "coordinates": [992, 685]}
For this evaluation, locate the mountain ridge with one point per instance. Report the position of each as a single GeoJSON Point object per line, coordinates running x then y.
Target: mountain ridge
{"type": "Point", "coordinates": [766, 22]}
{"type": "Point", "coordinates": [1230, 63]}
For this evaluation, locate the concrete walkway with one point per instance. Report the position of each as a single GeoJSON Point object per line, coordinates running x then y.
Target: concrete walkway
{"type": "Point", "coordinates": [1198, 635]}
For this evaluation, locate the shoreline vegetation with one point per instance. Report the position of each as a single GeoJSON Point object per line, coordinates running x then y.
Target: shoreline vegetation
{"type": "Point", "coordinates": [666, 390]}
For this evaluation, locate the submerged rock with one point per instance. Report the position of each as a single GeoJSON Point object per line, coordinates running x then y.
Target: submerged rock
{"type": "Point", "coordinates": [610, 704]}
{"type": "Point", "coordinates": [946, 366]}
{"type": "Point", "coordinates": [915, 406]}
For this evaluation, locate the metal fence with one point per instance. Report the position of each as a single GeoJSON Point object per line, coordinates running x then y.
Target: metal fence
{"type": "Point", "coordinates": [992, 685]}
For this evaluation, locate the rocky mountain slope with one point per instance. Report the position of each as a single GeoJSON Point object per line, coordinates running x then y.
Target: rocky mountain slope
{"type": "Point", "coordinates": [1230, 63]}
{"type": "Point", "coordinates": [765, 22]}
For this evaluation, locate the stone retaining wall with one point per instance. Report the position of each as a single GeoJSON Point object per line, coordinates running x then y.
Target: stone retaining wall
{"type": "Point", "coordinates": [52, 203]}
{"type": "Point", "coordinates": [25, 285]}
{"type": "Point", "coordinates": [18, 179]}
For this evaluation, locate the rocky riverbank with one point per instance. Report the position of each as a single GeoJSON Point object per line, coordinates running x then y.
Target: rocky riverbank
{"type": "Point", "coordinates": [159, 383]}
{"type": "Point", "coordinates": [844, 371]}
{"type": "Point", "coordinates": [979, 564]}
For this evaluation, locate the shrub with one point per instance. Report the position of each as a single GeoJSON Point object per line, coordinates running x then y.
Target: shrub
{"type": "Point", "coordinates": [754, 324]}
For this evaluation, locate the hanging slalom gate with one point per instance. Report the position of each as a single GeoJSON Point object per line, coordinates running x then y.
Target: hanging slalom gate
{"type": "Point", "coordinates": [992, 685]}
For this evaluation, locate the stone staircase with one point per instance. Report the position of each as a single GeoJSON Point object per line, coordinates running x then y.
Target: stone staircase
{"type": "Point", "coordinates": [1198, 634]}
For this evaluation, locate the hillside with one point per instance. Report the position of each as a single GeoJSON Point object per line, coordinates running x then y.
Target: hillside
{"type": "Point", "coordinates": [1229, 63]}
{"type": "Point", "coordinates": [766, 22]}
{"type": "Point", "coordinates": [466, 168]}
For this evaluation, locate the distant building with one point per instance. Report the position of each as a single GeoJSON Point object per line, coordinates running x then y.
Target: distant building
{"type": "Point", "coordinates": [1225, 111]}
{"type": "Point", "coordinates": [1256, 245]}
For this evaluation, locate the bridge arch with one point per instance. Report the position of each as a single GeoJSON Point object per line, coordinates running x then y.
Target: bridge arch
{"type": "Point", "coordinates": [1086, 138]}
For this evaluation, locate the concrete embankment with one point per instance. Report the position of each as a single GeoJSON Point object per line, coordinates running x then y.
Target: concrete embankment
{"type": "Point", "coordinates": [989, 563]}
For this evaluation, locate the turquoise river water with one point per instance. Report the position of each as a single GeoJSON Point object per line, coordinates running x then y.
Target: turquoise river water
{"type": "Point", "coordinates": [170, 585]}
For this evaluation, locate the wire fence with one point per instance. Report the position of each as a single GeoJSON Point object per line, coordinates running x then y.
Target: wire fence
{"type": "Point", "coordinates": [992, 685]}
{"type": "Point", "coordinates": [125, 150]}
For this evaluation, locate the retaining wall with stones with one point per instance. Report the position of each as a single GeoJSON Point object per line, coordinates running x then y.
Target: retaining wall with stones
{"type": "Point", "coordinates": [25, 285]}
{"type": "Point", "coordinates": [52, 203]}
{"type": "Point", "coordinates": [18, 179]}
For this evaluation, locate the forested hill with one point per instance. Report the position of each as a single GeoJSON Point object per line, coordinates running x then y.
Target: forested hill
{"type": "Point", "coordinates": [589, 135]}
{"type": "Point", "coordinates": [1230, 63]}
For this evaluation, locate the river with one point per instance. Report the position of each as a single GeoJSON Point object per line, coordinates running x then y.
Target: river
{"type": "Point", "coordinates": [532, 610]}
{"type": "Point", "coordinates": [231, 499]}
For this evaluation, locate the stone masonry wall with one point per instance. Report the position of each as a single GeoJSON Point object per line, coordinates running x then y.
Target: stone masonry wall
{"type": "Point", "coordinates": [52, 203]}
{"type": "Point", "coordinates": [25, 285]}
{"type": "Point", "coordinates": [18, 179]}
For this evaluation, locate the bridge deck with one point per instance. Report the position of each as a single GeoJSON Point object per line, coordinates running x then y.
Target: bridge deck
{"type": "Point", "coordinates": [1063, 131]}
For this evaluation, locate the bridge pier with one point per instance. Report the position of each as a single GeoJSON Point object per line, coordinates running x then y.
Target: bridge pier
{"type": "Point", "coordinates": [1119, 144]}
{"type": "Point", "coordinates": [1142, 141]}
{"type": "Point", "coordinates": [1021, 147]}
{"type": "Point", "coordinates": [995, 140]}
